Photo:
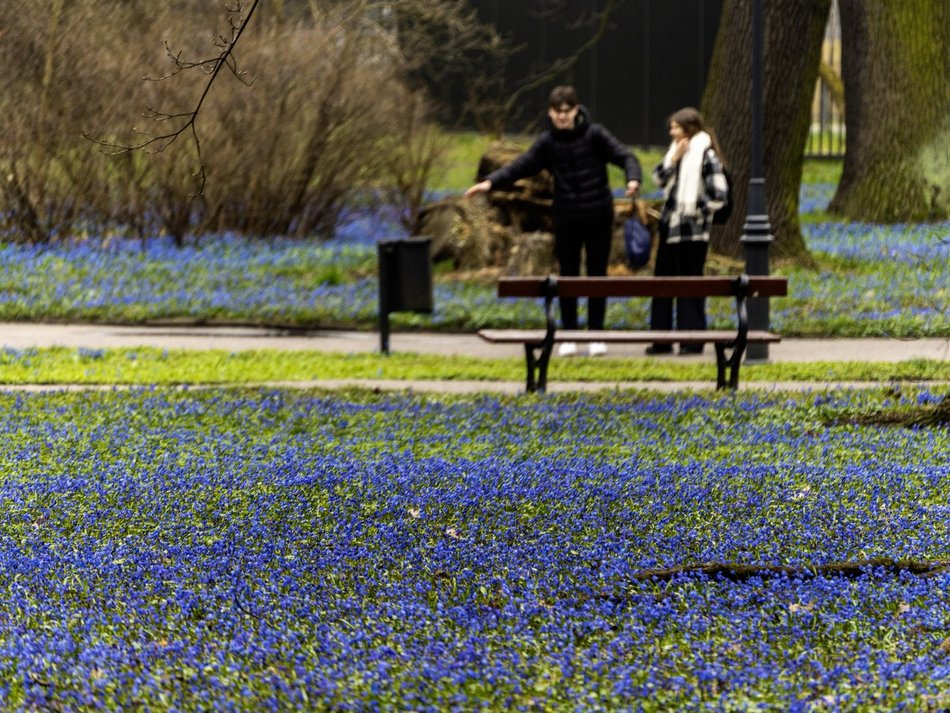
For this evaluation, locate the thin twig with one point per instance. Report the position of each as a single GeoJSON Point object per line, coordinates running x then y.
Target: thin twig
{"type": "Point", "coordinates": [213, 66]}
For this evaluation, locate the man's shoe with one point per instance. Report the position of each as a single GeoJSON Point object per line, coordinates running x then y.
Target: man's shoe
{"type": "Point", "coordinates": [659, 349]}
{"type": "Point", "coordinates": [567, 349]}
{"type": "Point", "coordinates": [687, 349]}
{"type": "Point", "coordinates": [597, 349]}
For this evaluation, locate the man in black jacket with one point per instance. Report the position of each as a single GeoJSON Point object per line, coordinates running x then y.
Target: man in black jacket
{"type": "Point", "coordinates": [576, 152]}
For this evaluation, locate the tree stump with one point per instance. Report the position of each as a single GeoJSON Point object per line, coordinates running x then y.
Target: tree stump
{"type": "Point", "coordinates": [500, 154]}
{"type": "Point", "coordinates": [531, 254]}
{"type": "Point", "coordinates": [462, 231]}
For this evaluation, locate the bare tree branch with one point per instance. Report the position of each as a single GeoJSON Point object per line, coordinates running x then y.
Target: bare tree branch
{"type": "Point", "coordinates": [213, 66]}
{"type": "Point", "coordinates": [565, 63]}
{"type": "Point", "coordinates": [559, 66]}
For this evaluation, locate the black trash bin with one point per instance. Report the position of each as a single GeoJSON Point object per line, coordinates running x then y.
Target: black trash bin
{"type": "Point", "coordinates": [405, 280]}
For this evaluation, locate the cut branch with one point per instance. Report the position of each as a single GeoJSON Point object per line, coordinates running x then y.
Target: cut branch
{"type": "Point", "coordinates": [741, 572]}
{"type": "Point", "coordinates": [920, 416]}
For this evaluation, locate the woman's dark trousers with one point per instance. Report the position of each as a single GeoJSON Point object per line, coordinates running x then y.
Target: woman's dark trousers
{"type": "Point", "coordinates": [680, 260]}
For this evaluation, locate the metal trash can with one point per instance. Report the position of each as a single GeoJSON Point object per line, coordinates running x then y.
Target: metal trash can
{"type": "Point", "coordinates": [405, 280]}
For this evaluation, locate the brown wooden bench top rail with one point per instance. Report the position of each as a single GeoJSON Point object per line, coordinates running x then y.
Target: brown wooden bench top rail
{"type": "Point", "coordinates": [706, 286]}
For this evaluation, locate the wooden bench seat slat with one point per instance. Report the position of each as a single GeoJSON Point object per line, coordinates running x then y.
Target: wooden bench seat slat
{"type": "Point", "coordinates": [707, 286]}
{"type": "Point", "coordinates": [519, 336]}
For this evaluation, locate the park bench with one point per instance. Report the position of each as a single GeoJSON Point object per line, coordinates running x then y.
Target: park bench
{"type": "Point", "coordinates": [538, 343]}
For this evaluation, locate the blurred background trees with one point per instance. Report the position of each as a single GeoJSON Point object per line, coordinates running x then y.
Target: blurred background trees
{"type": "Point", "coordinates": [335, 103]}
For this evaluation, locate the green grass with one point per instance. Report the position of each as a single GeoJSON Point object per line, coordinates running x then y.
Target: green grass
{"type": "Point", "coordinates": [822, 171]}
{"type": "Point", "coordinates": [156, 366]}
{"type": "Point", "coordinates": [460, 163]}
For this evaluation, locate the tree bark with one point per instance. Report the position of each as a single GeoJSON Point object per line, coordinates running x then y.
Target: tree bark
{"type": "Point", "coordinates": [794, 30]}
{"type": "Point", "coordinates": [895, 64]}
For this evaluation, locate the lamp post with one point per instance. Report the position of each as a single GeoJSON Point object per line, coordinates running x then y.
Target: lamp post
{"type": "Point", "coordinates": [757, 235]}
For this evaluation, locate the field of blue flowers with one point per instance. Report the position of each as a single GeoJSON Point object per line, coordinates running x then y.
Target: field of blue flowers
{"type": "Point", "coordinates": [873, 281]}
{"type": "Point", "coordinates": [249, 549]}
{"type": "Point", "coordinates": [195, 549]}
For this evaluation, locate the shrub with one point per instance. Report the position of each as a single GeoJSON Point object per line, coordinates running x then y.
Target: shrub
{"type": "Point", "coordinates": [318, 107]}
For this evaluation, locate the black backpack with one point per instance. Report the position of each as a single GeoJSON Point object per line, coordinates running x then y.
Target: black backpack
{"type": "Point", "coordinates": [721, 216]}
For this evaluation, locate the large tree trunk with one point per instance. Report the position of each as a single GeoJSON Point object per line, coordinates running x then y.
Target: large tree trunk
{"type": "Point", "coordinates": [793, 35]}
{"type": "Point", "coordinates": [895, 65]}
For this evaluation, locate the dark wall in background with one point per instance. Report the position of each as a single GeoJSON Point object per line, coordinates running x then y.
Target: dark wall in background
{"type": "Point", "coordinates": [652, 61]}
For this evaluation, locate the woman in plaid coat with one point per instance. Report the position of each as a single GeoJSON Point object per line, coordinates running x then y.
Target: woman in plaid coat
{"type": "Point", "coordinates": [694, 187]}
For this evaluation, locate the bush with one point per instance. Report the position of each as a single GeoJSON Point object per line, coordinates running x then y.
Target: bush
{"type": "Point", "coordinates": [318, 107]}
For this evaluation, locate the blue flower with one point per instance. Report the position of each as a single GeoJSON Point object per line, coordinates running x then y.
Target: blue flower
{"type": "Point", "coordinates": [270, 549]}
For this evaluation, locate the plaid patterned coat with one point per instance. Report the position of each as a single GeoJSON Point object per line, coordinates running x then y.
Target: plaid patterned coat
{"type": "Point", "coordinates": [686, 228]}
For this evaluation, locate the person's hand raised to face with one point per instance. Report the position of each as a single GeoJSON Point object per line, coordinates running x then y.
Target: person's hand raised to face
{"type": "Point", "coordinates": [678, 134]}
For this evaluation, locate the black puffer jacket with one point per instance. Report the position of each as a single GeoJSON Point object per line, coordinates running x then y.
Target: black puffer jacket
{"type": "Point", "coordinates": [577, 158]}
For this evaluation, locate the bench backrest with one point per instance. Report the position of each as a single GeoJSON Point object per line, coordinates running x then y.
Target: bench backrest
{"type": "Point", "coordinates": [706, 286]}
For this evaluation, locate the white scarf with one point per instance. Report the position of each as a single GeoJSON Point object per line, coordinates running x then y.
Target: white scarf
{"type": "Point", "coordinates": [689, 182]}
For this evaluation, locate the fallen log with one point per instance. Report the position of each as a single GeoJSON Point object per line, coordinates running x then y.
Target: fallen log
{"type": "Point", "coordinates": [742, 572]}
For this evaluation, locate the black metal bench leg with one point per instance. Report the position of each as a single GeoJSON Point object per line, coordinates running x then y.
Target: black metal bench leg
{"type": "Point", "coordinates": [735, 361]}
{"type": "Point", "coordinates": [529, 358]}
{"type": "Point", "coordinates": [720, 365]}
{"type": "Point", "coordinates": [537, 357]}
{"type": "Point", "coordinates": [731, 363]}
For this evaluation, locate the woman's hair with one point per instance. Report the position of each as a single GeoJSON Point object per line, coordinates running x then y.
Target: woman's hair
{"type": "Point", "coordinates": [693, 122]}
{"type": "Point", "coordinates": [563, 94]}
{"type": "Point", "coordinates": [690, 119]}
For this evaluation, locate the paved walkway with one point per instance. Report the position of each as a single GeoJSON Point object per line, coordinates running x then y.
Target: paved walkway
{"type": "Point", "coordinates": [23, 336]}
